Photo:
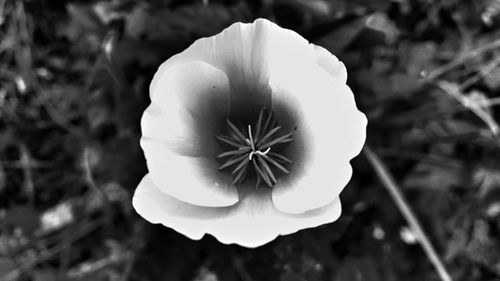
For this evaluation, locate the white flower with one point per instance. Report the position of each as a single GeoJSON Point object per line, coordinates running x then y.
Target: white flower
{"type": "Point", "coordinates": [208, 105]}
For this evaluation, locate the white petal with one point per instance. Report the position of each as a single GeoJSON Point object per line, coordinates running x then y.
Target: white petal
{"type": "Point", "coordinates": [330, 63]}
{"type": "Point", "coordinates": [252, 222]}
{"type": "Point", "coordinates": [331, 131]}
{"type": "Point", "coordinates": [249, 54]}
{"type": "Point", "coordinates": [189, 102]}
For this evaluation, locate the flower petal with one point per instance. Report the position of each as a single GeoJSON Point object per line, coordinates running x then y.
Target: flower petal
{"type": "Point", "coordinates": [252, 222]}
{"type": "Point", "coordinates": [331, 131]}
{"type": "Point", "coordinates": [248, 54]}
{"type": "Point", "coordinates": [189, 103]}
{"type": "Point", "coordinates": [330, 63]}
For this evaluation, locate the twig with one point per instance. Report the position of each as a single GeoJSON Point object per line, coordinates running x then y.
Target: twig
{"type": "Point", "coordinates": [84, 229]}
{"type": "Point", "coordinates": [449, 66]}
{"type": "Point", "coordinates": [89, 179]}
{"type": "Point", "coordinates": [240, 269]}
{"type": "Point", "coordinates": [481, 73]}
{"type": "Point", "coordinates": [86, 269]}
{"type": "Point", "coordinates": [433, 112]}
{"type": "Point", "coordinates": [454, 91]}
{"type": "Point", "coordinates": [2, 9]}
{"type": "Point", "coordinates": [65, 256]}
{"type": "Point", "coordinates": [389, 183]}
{"type": "Point", "coordinates": [427, 158]}
{"type": "Point", "coordinates": [489, 102]}
{"type": "Point", "coordinates": [26, 165]}
{"type": "Point", "coordinates": [129, 265]}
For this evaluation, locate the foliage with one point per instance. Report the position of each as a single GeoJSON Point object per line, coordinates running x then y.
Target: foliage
{"type": "Point", "coordinates": [74, 81]}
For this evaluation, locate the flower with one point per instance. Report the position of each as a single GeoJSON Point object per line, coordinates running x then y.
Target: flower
{"type": "Point", "coordinates": [248, 136]}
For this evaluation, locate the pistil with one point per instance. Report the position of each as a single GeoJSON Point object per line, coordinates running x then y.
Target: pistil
{"type": "Point", "coordinates": [255, 148]}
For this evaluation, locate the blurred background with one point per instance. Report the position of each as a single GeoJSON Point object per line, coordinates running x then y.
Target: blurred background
{"type": "Point", "coordinates": [74, 79]}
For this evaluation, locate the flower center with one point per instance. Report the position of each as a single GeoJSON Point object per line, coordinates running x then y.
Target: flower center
{"type": "Point", "coordinates": [255, 149]}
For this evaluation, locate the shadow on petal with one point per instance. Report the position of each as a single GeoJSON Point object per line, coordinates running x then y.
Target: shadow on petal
{"type": "Point", "coordinates": [333, 132]}
{"type": "Point", "coordinates": [252, 222]}
{"type": "Point", "coordinates": [189, 104]}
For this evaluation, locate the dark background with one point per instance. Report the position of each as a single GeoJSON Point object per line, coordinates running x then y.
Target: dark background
{"type": "Point", "coordinates": [74, 81]}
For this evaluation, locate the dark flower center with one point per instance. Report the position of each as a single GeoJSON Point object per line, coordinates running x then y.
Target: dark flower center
{"type": "Point", "coordinates": [255, 148]}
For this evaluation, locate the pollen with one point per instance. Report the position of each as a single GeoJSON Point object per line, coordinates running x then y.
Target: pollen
{"type": "Point", "coordinates": [254, 149]}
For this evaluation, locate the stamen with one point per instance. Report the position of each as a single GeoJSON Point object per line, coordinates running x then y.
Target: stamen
{"type": "Point", "coordinates": [243, 164]}
{"type": "Point", "coordinates": [282, 139]}
{"type": "Point", "coordinates": [258, 183]}
{"type": "Point", "coordinates": [229, 141]}
{"type": "Point", "coordinates": [262, 174]}
{"type": "Point", "coordinates": [250, 136]}
{"type": "Point", "coordinates": [267, 122]}
{"type": "Point", "coordinates": [267, 169]}
{"type": "Point", "coordinates": [235, 130]}
{"type": "Point", "coordinates": [269, 134]}
{"type": "Point", "coordinates": [255, 148]}
{"type": "Point", "coordinates": [239, 176]}
{"type": "Point", "coordinates": [280, 157]}
{"type": "Point", "coordinates": [233, 152]}
{"type": "Point", "coordinates": [276, 164]}
{"type": "Point", "coordinates": [232, 162]}
{"type": "Point", "coordinates": [259, 125]}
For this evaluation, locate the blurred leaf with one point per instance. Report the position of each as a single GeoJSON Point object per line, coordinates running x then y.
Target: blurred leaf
{"type": "Point", "coordinates": [57, 217]}
{"type": "Point", "coordinates": [492, 79]}
{"type": "Point", "coordinates": [98, 116]}
{"type": "Point", "coordinates": [373, 82]}
{"type": "Point", "coordinates": [470, 102]}
{"type": "Point", "coordinates": [3, 179]}
{"type": "Point", "coordinates": [44, 275]}
{"type": "Point", "coordinates": [440, 129]}
{"type": "Point", "coordinates": [358, 269]}
{"type": "Point", "coordinates": [417, 57]}
{"type": "Point", "coordinates": [457, 243]}
{"type": "Point", "coordinates": [184, 22]}
{"type": "Point", "coordinates": [101, 267]}
{"type": "Point", "coordinates": [205, 274]}
{"type": "Point", "coordinates": [380, 22]}
{"type": "Point", "coordinates": [386, 84]}
{"type": "Point", "coordinates": [429, 176]}
{"type": "Point", "coordinates": [117, 194]}
{"type": "Point", "coordinates": [24, 62]}
{"type": "Point", "coordinates": [339, 38]}
{"type": "Point", "coordinates": [107, 11]}
{"type": "Point", "coordinates": [83, 29]}
{"type": "Point", "coordinates": [404, 85]}
{"type": "Point", "coordinates": [85, 15]}
{"type": "Point", "coordinates": [484, 248]}
{"type": "Point", "coordinates": [291, 276]}
{"type": "Point", "coordinates": [486, 177]}
{"type": "Point", "coordinates": [24, 217]}
{"type": "Point", "coordinates": [6, 266]}
{"type": "Point", "coordinates": [319, 8]}
{"type": "Point", "coordinates": [138, 22]}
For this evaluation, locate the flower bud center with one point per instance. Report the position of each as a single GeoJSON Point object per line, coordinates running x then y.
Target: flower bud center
{"type": "Point", "coordinates": [253, 149]}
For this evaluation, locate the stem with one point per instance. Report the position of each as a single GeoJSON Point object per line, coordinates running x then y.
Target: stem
{"type": "Point", "coordinates": [390, 184]}
{"type": "Point", "coordinates": [461, 59]}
